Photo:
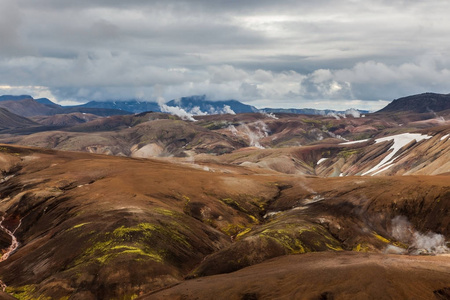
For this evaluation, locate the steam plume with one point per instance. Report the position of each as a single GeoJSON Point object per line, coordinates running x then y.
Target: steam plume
{"type": "Point", "coordinates": [419, 243]}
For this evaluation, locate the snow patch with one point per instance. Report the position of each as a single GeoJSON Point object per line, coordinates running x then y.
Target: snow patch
{"type": "Point", "coordinates": [354, 142]}
{"type": "Point", "coordinates": [445, 137]}
{"type": "Point", "coordinates": [400, 141]}
{"type": "Point", "coordinates": [321, 160]}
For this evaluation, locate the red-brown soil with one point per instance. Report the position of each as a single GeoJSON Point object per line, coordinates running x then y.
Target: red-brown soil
{"type": "Point", "coordinates": [328, 275]}
{"type": "Point", "coordinates": [105, 227]}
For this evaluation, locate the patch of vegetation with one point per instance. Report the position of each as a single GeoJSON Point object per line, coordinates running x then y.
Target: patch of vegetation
{"type": "Point", "coordinates": [79, 225]}
{"type": "Point", "coordinates": [25, 292]}
{"type": "Point", "coordinates": [363, 247]}
{"type": "Point", "coordinates": [234, 204]}
{"type": "Point", "coordinates": [141, 240]}
{"type": "Point", "coordinates": [347, 153]}
{"type": "Point", "coordinates": [302, 238]}
{"type": "Point", "coordinates": [379, 237]}
{"type": "Point", "coordinates": [233, 229]}
{"type": "Point", "coordinates": [313, 122]}
{"type": "Point", "coordinates": [214, 125]}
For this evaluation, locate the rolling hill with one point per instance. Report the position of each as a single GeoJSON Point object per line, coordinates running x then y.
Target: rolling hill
{"type": "Point", "coordinates": [102, 227]}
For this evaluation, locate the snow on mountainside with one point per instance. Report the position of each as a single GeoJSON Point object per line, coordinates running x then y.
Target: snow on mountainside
{"type": "Point", "coordinates": [400, 141]}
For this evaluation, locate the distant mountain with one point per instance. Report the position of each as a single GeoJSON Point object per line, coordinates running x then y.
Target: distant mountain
{"type": "Point", "coordinates": [14, 98]}
{"type": "Point", "coordinates": [195, 105]}
{"type": "Point", "coordinates": [133, 106]}
{"type": "Point", "coordinates": [9, 120]}
{"type": "Point", "coordinates": [26, 106]}
{"type": "Point", "coordinates": [311, 111]}
{"type": "Point", "coordinates": [198, 105]}
{"type": "Point", "coordinates": [48, 103]}
{"type": "Point", "coordinates": [422, 103]}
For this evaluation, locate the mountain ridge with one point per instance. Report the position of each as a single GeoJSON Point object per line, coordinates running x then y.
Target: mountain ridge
{"type": "Point", "coordinates": [420, 103]}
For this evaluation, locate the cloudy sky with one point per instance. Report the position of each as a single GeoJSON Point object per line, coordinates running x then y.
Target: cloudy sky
{"type": "Point", "coordinates": [286, 53]}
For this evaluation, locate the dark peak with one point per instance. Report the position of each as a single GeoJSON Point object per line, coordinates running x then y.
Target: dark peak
{"type": "Point", "coordinates": [14, 97]}
{"type": "Point", "coordinates": [421, 103]}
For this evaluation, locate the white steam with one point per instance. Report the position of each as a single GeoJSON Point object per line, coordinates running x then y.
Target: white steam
{"type": "Point", "coordinates": [175, 110]}
{"type": "Point", "coordinates": [227, 110]}
{"type": "Point", "coordinates": [269, 115]}
{"type": "Point", "coordinates": [419, 243]}
{"type": "Point", "coordinates": [353, 112]}
{"type": "Point", "coordinates": [349, 112]}
{"type": "Point", "coordinates": [254, 132]}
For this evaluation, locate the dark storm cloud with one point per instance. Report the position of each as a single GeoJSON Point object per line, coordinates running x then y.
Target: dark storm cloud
{"type": "Point", "coordinates": [292, 53]}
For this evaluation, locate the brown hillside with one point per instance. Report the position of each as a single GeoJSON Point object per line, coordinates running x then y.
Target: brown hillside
{"type": "Point", "coordinates": [102, 227]}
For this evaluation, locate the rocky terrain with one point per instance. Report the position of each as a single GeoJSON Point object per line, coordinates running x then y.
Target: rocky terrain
{"type": "Point", "coordinates": [105, 227]}
{"type": "Point", "coordinates": [245, 206]}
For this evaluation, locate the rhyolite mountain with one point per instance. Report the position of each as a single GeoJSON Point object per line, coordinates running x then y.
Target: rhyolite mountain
{"type": "Point", "coordinates": [426, 102]}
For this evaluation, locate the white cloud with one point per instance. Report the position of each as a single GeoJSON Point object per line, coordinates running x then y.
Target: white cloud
{"type": "Point", "coordinates": [286, 53]}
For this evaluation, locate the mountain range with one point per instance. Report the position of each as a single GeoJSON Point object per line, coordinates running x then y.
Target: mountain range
{"type": "Point", "coordinates": [26, 106]}
{"type": "Point", "coordinates": [251, 205]}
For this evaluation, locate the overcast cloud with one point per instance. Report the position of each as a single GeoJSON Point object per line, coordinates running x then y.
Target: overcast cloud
{"type": "Point", "coordinates": [319, 54]}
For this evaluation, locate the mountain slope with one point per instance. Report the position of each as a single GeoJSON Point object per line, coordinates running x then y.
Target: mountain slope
{"type": "Point", "coordinates": [100, 227]}
{"type": "Point", "coordinates": [422, 103]}
{"type": "Point", "coordinates": [9, 120]}
{"type": "Point", "coordinates": [133, 106]}
{"type": "Point", "coordinates": [200, 105]}
{"type": "Point", "coordinates": [27, 107]}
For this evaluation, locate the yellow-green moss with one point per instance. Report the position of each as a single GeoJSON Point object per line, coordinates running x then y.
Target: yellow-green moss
{"type": "Point", "coordinates": [334, 248]}
{"type": "Point", "coordinates": [245, 231]}
{"type": "Point", "coordinates": [79, 225]}
{"type": "Point", "coordinates": [347, 153]}
{"type": "Point", "coordinates": [25, 292]}
{"type": "Point", "coordinates": [234, 204]}
{"type": "Point", "coordinates": [133, 240]}
{"type": "Point", "coordinates": [361, 248]}
{"type": "Point", "coordinates": [254, 220]}
{"type": "Point", "coordinates": [232, 229]}
{"type": "Point", "coordinates": [284, 237]}
{"type": "Point", "coordinates": [384, 240]}
{"type": "Point", "coordinates": [400, 245]}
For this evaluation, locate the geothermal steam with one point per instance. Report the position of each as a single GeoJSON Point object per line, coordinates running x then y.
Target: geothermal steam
{"type": "Point", "coordinates": [429, 243]}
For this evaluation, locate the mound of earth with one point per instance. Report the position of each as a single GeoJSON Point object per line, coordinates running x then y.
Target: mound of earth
{"type": "Point", "coordinates": [338, 275]}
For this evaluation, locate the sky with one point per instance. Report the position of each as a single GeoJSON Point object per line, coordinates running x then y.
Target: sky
{"type": "Point", "coordinates": [290, 54]}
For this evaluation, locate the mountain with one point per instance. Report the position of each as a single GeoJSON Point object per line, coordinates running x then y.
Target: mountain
{"type": "Point", "coordinates": [198, 105]}
{"type": "Point", "coordinates": [14, 98]}
{"type": "Point", "coordinates": [133, 106]}
{"type": "Point", "coordinates": [8, 120]}
{"type": "Point", "coordinates": [311, 111]}
{"type": "Point", "coordinates": [48, 102]}
{"type": "Point", "coordinates": [422, 103]}
{"type": "Point", "coordinates": [65, 120]}
{"type": "Point", "coordinates": [26, 106]}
